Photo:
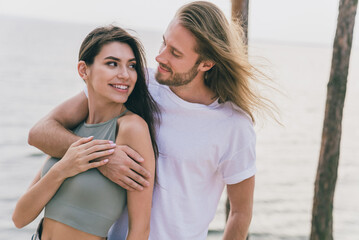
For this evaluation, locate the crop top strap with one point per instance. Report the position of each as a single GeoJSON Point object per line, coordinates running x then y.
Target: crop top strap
{"type": "Point", "coordinates": [123, 113]}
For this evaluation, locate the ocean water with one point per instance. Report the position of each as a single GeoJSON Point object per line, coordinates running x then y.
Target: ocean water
{"type": "Point", "coordinates": [38, 71]}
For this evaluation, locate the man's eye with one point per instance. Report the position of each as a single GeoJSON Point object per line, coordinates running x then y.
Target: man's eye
{"type": "Point", "coordinates": [174, 54]}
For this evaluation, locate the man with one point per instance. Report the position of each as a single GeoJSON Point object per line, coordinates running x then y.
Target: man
{"type": "Point", "coordinates": [206, 139]}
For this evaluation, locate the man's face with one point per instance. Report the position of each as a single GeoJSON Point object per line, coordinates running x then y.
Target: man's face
{"type": "Point", "coordinates": [177, 59]}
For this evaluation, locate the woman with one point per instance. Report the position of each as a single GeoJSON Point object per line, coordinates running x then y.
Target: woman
{"type": "Point", "coordinates": [80, 202]}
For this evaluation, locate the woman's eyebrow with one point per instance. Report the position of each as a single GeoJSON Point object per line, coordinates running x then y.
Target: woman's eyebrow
{"type": "Point", "coordinates": [118, 59]}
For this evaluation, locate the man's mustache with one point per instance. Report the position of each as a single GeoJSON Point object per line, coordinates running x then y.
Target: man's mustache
{"type": "Point", "coordinates": [165, 67]}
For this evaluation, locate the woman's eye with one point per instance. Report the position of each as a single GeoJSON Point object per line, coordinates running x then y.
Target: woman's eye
{"type": "Point", "coordinates": [112, 64]}
{"type": "Point", "coordinates": [132, 65]}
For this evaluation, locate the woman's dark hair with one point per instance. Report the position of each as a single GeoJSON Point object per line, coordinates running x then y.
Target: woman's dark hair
{"type": "Point", "coordinates": [140, 101]}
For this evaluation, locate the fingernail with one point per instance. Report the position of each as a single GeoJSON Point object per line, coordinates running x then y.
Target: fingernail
{"type": "Point", "coordinates": [142, 159]}
{"type": "Point", "coordinates": [110, 141]}
{"type": "Point", "coordinates": [111, 150]}
{"type": "Point", "coordinates": [105, 161]}
{"type": "Point", "coordinates": [113, 145]}
{"type": "Point", "coordinates": [89, 137]}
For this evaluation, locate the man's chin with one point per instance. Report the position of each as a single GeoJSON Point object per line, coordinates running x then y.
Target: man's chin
{"type": "Point", "coordinates": [160, 79]}
{"type": "Point", "coordinates": [163, 82]}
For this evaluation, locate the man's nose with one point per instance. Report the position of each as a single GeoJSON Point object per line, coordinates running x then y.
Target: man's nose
{"type": "Point", "coordinates": [161, 57]}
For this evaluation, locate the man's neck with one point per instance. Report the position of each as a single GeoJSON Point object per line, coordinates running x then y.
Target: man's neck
{"type": "Point", "coordinates": [195, 92]}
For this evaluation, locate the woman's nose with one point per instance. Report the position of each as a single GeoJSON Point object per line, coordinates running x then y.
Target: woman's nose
{"type": "Point", "coordinates": [123, 72]}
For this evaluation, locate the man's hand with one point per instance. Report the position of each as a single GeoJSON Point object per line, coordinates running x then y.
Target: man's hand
{"type": "Point", "coordinates": [124, 169]}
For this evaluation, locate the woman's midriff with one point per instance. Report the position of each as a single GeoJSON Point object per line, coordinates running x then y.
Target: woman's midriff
{"type": "Point", "coordinates": [54, 230]}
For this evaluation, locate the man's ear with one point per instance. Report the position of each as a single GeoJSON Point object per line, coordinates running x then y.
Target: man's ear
{"type": "Point", "coordinates": [206, 65]}
{"type": "Point", "coordinates": [82, 70]}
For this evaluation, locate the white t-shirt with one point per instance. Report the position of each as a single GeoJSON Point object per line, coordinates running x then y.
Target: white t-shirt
{"type": "Point", "coordinates": [202, 148]}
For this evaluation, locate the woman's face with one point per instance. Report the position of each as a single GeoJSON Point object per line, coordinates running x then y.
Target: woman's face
{"type": "Point", "coordinates": [113, 75]}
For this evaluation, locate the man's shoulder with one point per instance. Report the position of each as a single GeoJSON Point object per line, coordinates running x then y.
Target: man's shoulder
{"type": "Point", "coordinates": [153, 86]}
{"type": "Point", "coordinates": [151, 76]}
{"type": "Point", "coordinates": [238, 123]}
{"type": "Point", "coordinates": [236, 114]}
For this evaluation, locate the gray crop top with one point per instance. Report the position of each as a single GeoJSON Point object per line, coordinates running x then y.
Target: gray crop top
{"type": "Point", "coordinates": [88, 201]}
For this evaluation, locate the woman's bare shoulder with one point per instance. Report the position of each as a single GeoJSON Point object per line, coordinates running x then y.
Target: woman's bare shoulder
{"type": "Point", "coordinates": [132, 124]}
{"type": "Point", "coordinates": [133, 132]}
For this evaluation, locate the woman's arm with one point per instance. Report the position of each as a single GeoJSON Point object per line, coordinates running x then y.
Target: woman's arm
{"type": "Point", "coordinates": [51, 135]}
{"type": "Point", "coordinates": [77, 159]}
{"type": "Point", "coordinates": [133, 131]}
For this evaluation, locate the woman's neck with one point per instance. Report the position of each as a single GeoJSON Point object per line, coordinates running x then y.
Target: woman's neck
{"type": "Point", "coordinates": [102, 111]}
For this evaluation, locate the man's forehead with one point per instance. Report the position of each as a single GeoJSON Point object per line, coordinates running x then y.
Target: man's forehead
{"type": "Point", "coordinates": [179, 37]}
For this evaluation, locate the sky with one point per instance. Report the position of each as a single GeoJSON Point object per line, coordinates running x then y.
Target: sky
{"type": "Point", "coordinates": [299, 21]}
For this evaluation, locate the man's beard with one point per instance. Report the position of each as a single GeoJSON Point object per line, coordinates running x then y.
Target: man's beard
{"type": "Point", "coordinates": [177, 79]}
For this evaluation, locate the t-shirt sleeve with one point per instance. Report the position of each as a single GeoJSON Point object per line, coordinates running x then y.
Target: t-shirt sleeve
{"type": "Point", "coordinates": [241, 165]}
{"type": "Point", "coordinates": [151, 80]}
{"type": "Point", "coordinates": [86, 91]}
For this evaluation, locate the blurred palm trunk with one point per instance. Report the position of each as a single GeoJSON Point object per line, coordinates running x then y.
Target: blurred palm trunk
{"type": "Point", "coordinates": [322, 214]}
{"type": "Point", "coordinates": [239, 11]}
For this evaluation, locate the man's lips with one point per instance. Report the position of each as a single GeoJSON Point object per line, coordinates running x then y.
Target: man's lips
{"type": "Point", "coordinates": [163, 69]}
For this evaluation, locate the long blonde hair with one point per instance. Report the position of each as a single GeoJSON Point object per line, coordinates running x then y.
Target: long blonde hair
{"type": "Point", "coordinates": [232, 77]}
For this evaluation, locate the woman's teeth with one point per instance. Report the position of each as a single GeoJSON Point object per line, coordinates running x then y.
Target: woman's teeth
{"type": "Point", "coordinates": [122, 87]}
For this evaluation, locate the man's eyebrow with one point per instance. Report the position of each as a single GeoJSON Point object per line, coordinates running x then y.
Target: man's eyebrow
{"type": "Point", "coordinates": [119, 60]}
{"type": "Point", "coordinates": [172, 47]}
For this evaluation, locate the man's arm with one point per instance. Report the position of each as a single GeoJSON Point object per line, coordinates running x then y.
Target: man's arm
{"type": "Point", "coordinates": [240, 196]}
{"type": "Point", "coordinates": [50, 134]}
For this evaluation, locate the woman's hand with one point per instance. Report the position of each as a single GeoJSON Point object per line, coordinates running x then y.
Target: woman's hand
{"type": "Point", "coordinates": [77, 159]}
{"type": "Point", "coordinates": [79, 156]}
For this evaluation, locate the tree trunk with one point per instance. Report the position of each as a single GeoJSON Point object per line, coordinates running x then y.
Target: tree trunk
{"type": "Point", "coordinates": [322, 218]}
{"type": "Point", "coordinates": [239, 11]}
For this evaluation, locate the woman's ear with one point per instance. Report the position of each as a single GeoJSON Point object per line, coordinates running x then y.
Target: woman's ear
{"type": "Point", "coordinates": [82, 70]}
